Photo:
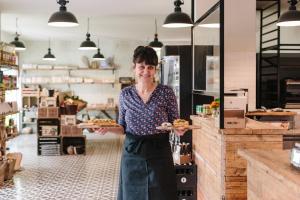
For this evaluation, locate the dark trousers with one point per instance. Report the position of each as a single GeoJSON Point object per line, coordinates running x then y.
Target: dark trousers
{"type": "Point", "coordinates": [147, 169]}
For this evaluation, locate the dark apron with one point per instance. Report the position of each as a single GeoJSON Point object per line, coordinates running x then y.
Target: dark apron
{"type": "Point", "coordinates": [147, 169]}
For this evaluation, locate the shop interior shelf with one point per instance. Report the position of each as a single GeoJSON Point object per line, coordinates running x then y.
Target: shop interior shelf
{"type": "Point", "coordinates": [4, 66]}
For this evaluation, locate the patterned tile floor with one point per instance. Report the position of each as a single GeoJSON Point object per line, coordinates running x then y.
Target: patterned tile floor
{"type": "Point", "coordinates": [93, 176]}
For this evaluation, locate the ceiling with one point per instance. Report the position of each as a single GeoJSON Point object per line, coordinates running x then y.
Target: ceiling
{"type": "Point", "coordinates": [122, 19]}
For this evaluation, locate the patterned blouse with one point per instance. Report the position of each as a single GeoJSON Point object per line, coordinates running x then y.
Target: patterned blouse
{"type": "Point", "coordinates": [139, 118]}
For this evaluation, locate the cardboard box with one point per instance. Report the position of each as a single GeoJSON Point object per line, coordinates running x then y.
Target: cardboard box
{"type": "Point", "coordinates": [235, 102]}
{"type": "Point", "coordinates": [49, 130]}
{"type": "Point", "coordinates": [70, 130]}
{"type": "Point", "coordinates": [181, 159]}
{"type": "Point", "coordinates": [234, 119]}
{"type": "Point", "coordinates": [42, 112]}
{"type": "Point", "coordinates": [48, 112]}
{"type": "Point", "coordinates": [48, 102]}
{"type": "Point", "coordinates": [65, 130]}
{"type": "Point", "coordinates": [68, 119]}
{"type": "Point", "coordinates": [53, 112]}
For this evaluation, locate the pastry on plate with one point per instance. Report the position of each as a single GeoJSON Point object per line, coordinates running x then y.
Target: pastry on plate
{"type": "Point", "coordinates": [180, 123]}
{"type": "Point", "coordinates": [103, 122]}
{"type": "Point", "coordinates": [166, 125]}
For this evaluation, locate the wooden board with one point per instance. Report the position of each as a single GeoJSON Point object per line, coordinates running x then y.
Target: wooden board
{"type": "Point", "coordinates": [190, 127]}
{"type": "Point", "coordinates": [285, 113]}
{"type": "Point", "coordinates": [91, 125]}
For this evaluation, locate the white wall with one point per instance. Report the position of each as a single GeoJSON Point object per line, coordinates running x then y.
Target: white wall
{"type": "Point", "coordinates": [202, 6]}
{"type": "Point", "coordinates": [240, 46]}
{"type": "Point", "coordinates": [67, 53]}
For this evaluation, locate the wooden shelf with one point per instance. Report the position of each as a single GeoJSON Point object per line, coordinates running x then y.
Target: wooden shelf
{"type": "Point", "coordinates": [4, 66]}
{"type": "Point", "coordinates": [70, 83]}
{"type": "Point", "coordinates": [7, 114]}
{"type": "Point", "coordinates": [8, 89]}
{"type": "Point", "coordinates": [78, 69]}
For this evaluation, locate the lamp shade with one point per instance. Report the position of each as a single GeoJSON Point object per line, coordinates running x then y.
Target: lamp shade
{"type": "Point", "coordinates": [19, 46]}
{"type": "Point", "coordinates": [62, 18]}
{"type": "Point", "coordinates": [178, 19]}
{"type": "Point", "coordinates": [88, 44]}
{"type": "Point", "coordinates": [156, 43]}
{"type": "Point", "coordinates": [98, 55]}
{"type": "Point", "coordinates": [290, 17]}
{"type": "Point", "coordinates": [49, 55]}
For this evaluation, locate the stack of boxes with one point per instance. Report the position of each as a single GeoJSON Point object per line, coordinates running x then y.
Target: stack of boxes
{"type": "Point", "coordinates": [48, 127]}
{"type": "Point", "coordinates": [186, 171]}
{"type": "Point", "coordinates": [186, 176]}
{"type": "Point", "coordinates": [57, 129]}
{"type": "Point", "coordinates": [73, 142]}
{"type": "Point", "coordinates": [235, 108]}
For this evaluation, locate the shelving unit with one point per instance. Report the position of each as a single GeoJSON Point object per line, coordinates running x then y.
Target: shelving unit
{"type": "Point", "coordinates": [7, 63]}
{"type": "Point", "coordinates": [70, 70]}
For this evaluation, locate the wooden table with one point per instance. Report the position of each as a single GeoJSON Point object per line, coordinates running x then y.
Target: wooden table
{"type": "Point", "coordinates": [276, 114]}
{"type": "Point", "coordinates": [270, 175]}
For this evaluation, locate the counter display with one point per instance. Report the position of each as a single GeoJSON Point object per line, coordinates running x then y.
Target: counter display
{"type": "Point", "coordinates": [221, 171]}
{"type": "Point", "coordinates": [271, 177]}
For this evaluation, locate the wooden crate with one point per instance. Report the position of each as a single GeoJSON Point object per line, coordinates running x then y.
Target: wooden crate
{"type": "Point", "coordinates": [2, 172]}
{"type": "Point", "coordinates": [75, 141]}
{"type": "Point", "coordinates": [68, 130]}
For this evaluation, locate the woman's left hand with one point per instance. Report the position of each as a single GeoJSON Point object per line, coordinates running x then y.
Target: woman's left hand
{"type": "Point", "coordinates": [180, 131]}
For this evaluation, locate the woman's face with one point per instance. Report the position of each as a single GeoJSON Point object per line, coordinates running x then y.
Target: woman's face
{"type": "Point", "coordinates": [144, 73]}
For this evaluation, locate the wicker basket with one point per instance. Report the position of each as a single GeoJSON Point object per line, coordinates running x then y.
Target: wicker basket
{"type": "Point", "coordinates": [2, 172]}
{"type": "Point", "coordinates": [10, 169]}
{"type": "Point", "coordinates": [16, 156]}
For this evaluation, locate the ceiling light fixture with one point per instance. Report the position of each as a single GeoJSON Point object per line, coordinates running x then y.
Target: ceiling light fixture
{"type": "Point", "coordinates": [156, 44]}
{"type": "Point", "coordinates": [62, 18]}
{"type": "Point", "coordinates": [211, 21]}
{"type": "Point", "coordinates": [98, 55]}
{"type": "Point", "coordinates": [19, 46]}
{"type": "Point", "coordinates": [290, 17]}
{"type": "Point", "coordinates": [49, 56]}
{"type": "Point", "coordinates": [178, 19]}
{"type": "Point", "coordinates": [88, 44]}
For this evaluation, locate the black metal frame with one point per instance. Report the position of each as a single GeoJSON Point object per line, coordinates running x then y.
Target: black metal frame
{"type": "Point", "coordinates": [220, 5]}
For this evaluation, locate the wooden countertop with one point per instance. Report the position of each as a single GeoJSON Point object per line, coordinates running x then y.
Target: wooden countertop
{"type": "Point", "coordinates": [253, 127]}
{"type": "Point", "coordinates": [279, 114]}
{"type": "Point", "coordinates": [276, 163]}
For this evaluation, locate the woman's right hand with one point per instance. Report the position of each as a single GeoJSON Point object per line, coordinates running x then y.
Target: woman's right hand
{"type": "Point", "coordinates": [101, 131]}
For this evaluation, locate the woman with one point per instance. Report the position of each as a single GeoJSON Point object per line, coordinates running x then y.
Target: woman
{"type": "Point", "coordinates": [147, 169]}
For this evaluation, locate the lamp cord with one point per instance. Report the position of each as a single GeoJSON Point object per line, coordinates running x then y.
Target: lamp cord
{"type": "Point", "coordinates": [17, 26]}
{"type": "Point", "coordinates": [88, 27]}
{"type": "Point", "coordinates": [155, 26]}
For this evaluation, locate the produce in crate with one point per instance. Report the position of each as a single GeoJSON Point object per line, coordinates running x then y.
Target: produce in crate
{"type": "Point", "coordinates": [74, 100]}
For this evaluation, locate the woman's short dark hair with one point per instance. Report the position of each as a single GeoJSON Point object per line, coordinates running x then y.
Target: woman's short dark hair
{"type": "Point", "coordinates": [145, 54]}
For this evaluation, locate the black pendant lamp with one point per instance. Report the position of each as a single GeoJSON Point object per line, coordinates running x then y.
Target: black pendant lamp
{"type": "Point", "coordinates": [156, 44]}
{"type": "Point", "coordinates": [49, 56]}
{"type": "Point", "coordinates": [178, 19]}
{"type": "Point", "coordinates": [98, 55]}
{"type": "Point", "coordinates": [290, 17]}
{"type": "Point", "coordinates": [88, 44]}
{"type": "Point", "coordinates": [19, 46]}
{"type": "Point", "coordinates": [62, 18]}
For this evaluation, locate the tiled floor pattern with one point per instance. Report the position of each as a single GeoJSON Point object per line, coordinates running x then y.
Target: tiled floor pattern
{"type": "Point", "coordinates": [93, 176]}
